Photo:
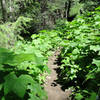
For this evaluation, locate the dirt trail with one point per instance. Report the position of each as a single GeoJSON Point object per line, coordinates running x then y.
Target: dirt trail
{"type": "Point", "coordinates": [53, 89]}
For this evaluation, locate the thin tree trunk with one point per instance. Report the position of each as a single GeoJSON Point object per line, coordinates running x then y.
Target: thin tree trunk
{"type": "Point", "coordinates": [11, 10]}
{"type": "Point", "coordinates": [4, 10]}
{"type": "Point", "coordinates": [67, 8]}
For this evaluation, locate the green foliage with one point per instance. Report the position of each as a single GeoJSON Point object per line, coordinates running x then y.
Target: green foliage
{"type": "Point", "coordinates": [23, 68]}
{"type": "Point", "coordinates": [80, 56]}
{"type": "Point", "coordinates": [20, 72]}
{"type": "Point", "coordinates": [90, 5]}
{"type": "Point", "coordinates": [57, 4]}
{"type": "Point", "coordinates": [16, 59]}
{"type": "Point", "coordinates": [9, 32]}
{"type": "Point", "coordinates": [17, 85]}
{"type": "Point", "coordinates": [6, 36]}
{"type": "Point", "coordinates": [78, 96]}
{"type": "Point", "coordinates": [75, 8]}
{"type": "Point", "coordinates": [92, 97]}
{"type": "Point", "coordinates": [46, 41]}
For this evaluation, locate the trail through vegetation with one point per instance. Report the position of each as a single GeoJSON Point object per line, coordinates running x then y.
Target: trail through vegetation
{"type": "Point", "coordinates": [53, 89]}
{"type": "Point", "coordinates": [27, 51]}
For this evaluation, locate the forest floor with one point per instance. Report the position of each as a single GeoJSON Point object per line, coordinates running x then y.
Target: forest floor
{"type": "Point", "coordinates": [53, 89]}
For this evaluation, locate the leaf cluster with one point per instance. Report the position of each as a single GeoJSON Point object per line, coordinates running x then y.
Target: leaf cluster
{"type": "Point", "coordinates": [80, 55]}
{"type": "Point", "coordinates": [20, 76]}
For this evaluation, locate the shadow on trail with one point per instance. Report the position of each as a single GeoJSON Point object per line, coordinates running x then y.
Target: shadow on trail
{"type": "Point", "coordinates": [54, 85]}
{"type": "Point", "coordinates": [65, 84]}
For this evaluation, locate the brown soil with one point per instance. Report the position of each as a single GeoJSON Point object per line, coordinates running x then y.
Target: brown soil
{"type": "Point", "coordinates": [53, 89]}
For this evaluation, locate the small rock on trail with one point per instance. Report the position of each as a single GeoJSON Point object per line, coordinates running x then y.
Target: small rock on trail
{"type": "Point", "coordinates": [52, 88]}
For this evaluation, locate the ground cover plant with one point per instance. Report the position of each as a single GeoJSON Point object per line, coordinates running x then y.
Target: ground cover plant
{"type": "Point", "coordinates": [20, 76]}
{"type": "Point", "coordinates": [23, 68]}
{"type": "Point", "coordinates": [24, 53]}
{"type": "Point", "coordinates": [80, 56]}
{"type": "Point", "coordinates": [10, 32]}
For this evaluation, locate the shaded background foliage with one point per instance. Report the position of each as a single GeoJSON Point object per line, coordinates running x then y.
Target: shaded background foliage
{"type": "Point", "coordinates": [42, 13]}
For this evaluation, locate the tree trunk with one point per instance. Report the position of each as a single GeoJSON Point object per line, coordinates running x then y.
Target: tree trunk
{"type": "Point", "coordinates": [11, 10]}
{"type": "Point", "coordinates": [4, 10]}
{"type": "Point", "coordinates": [67, 8]}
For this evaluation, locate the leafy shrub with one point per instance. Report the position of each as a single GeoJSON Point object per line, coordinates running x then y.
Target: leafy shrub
{"type": "Point", "coordinates": [9, 32]}
{"type": "Point", "coordinates": [23, 68]}
{"type": "Point", "coordinates": [46, 41]}
{"type": "Point", "coordinates": [80, 55]}
{"type": "Point", "coordinates": [20, 76]}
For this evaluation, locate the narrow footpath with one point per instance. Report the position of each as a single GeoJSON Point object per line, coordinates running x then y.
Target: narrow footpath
{"type": "Point", "coordinates": [52, 88]}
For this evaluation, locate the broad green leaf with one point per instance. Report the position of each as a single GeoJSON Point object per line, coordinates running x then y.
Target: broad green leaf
{"type": "Point", "coordinates": [18, 85]}
{"type": "Point", "coordinates": [99, 53]}
{"type": "Point", "coordinates": [37, 93]}
{"type": "Point", "coordinates": [78, 96]}
{"type": "Point", "coordinates": [98, 8]}
{"type": "Point", "coordinates": [21, 83]}
{"type": "Point", "coordinates": [95, 47]}
{"type": "Point", "coordinates": [92, 97]}
{"type": "Point", "coordinates": [7, 57]}
{"type": "Point", "coordinates": [90, 76]}
{"type": "Point", "coordinates": [97, 62]}
{"type": "Point", "coordinates": [3, 98]}
{"type": "Point", "coordinates": [75, 51]}
{"type": "Point", "coordinates": [10, 80]}
{"type": "Point", "coordinates": [1, 86]}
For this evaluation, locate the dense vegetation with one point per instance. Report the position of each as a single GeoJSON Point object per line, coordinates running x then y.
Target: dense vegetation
{"type": "Point", "coordinates": [80, 56]}
{"type": "Point", "coordinates": [24, 68]}
{"type": "Point", "coordinates": [31, 30]}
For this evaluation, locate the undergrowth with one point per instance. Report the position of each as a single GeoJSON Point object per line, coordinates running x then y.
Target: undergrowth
{"type": "Point", "coordinates": [80, 56]}
{"type": "Point", "coordinates": [23, 68]}
{"type": "Point", "coordinates": [10, 32]}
